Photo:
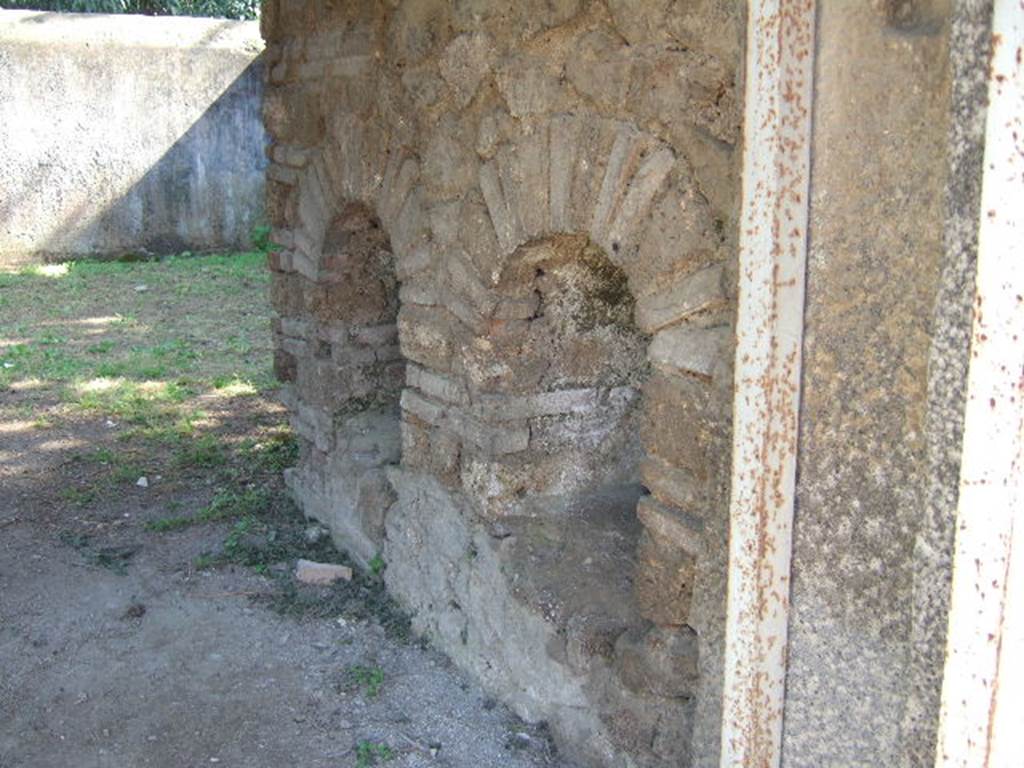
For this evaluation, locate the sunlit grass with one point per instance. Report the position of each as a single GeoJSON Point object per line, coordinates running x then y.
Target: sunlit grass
{"type": "Point", "coordinates": [164, 363]}
{"type": "Point", "coordinates": [46, 270]}
{"type": "Point", "coordinates": [235, 387]}
{"type": "Point", "coordinates": [90, 339]}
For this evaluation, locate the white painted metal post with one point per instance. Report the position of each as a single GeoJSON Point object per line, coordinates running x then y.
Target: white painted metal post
{"type": "Point", "coordinates": [982, 716]}
{"type": "Point", "coordinates": [773, 255]}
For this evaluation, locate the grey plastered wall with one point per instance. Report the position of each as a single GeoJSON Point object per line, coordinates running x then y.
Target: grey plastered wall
{"type": "Point", "coordinates": [128, 133]}
{"type": "Point", "coordinates": [875, 259]}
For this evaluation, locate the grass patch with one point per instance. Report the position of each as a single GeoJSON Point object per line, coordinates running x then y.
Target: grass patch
{"type": "Point", "coordinates": [67, 325]}
{"type": "Point", "coordinates": [204, 453]}
{"type": "Point", "coordinates": [370, 753]}
{"type": "Point", "coordinates": [80, 497]}
{"type": "Point", "coordinates": [273, 454]}
{"type": "Point", "coordinates": [226, 505]}
{"type": "Point", "coordinates": [153, 372]}
{"type": "Point", "coordinates": [370, 679]}
{"type": "Point", "coordinates": [377, 564]}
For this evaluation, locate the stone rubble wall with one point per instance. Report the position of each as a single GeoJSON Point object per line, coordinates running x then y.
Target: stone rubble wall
{"type": "Point", "coordinates": [504, 306]}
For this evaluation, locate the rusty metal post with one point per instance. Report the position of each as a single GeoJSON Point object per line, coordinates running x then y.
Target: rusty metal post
{"type": "Point", "coordinates": [773, 254]}
{"type": "Point", "coordinates": [982, 715]}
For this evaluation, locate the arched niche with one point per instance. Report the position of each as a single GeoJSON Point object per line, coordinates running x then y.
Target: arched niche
{"type": "Point", "coordinates": [347, 382]}
{"type": "Point", "coordinates": [562, 361]}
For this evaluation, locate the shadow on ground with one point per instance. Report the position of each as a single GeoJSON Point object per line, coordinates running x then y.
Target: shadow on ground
{"type": "Point", "coordinates": [148, 611]}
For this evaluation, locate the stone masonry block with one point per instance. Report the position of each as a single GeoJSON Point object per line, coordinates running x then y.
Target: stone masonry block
{"type": "Point", "coordinates": [426, 336]}
{"type": "Point", "coordinates": [287, 294]}
{"type": "Point", "coordinates": [347, 130]}
{"type": "Point", "coordinates": [409, 230]}
{"type": "Point", "coordinates": [478, 237]}
{"type": "Point", "coordinates": [414, 261]}
{"type": "Point", "coordinates": [659, 661]}
{"type": "Point", "coordinates": [693, 351]}
{"type": "Point", "coordinates": [423, 408]}
{"type": "Point", "coordinates": [526, 180]}
{"type": "Point", "coordinates": [677, 426]}
{"type": "Point", "coordinates": [679, 237]}
{"type": "Point", "coordinates": [400, 177]}
{"type": "Point", "coordinates": [563, 133]}
{"type": "Point", "coordinates": [503, 215]}
{"type": "Point", "coordinates": [531, 86]}
{"type": "Point", "coordinates": [444, 223]}
{"type": "Point", "coordinates": [431, 450]}
{"type": "Point", "coordinates": [314, 209]}
{"type": "Point", "coordinates": [664, 581]}
{"type": "Point", "coordinates": [598, 136]}
{"type": "Point", "coordinates": [284, 365]}
{"type": "Point", "coordinates": [564, 401]}
{"type": "Point", "coordinates": [671, 485]}
{"type": "Point", "coordinates": [624, 155]}
{"type": "Point", "coordinates": [643, 187]}
{"type": "Point", "coordinates": [492, 439]}
{"type": "Point", "coordinates": [374, 496]}
{"type": "Point", "coordinates": [669, 524]}
{"type": "Point", "coordinates": [420, 289]}
{"type": "Point", "coordinates": [465, 63]}
{"type": "Point", "coordinates": [435, 385]}
{"type": "Point", "coordinates": [464, 281]}
{"type": "Point", "coordinates": [373, 159]}
{"type": "Point", "coordinates": [684, 297]}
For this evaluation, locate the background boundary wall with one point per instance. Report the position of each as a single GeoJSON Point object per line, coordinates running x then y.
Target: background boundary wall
{"type": "Point", "coordinates": [128, 134]}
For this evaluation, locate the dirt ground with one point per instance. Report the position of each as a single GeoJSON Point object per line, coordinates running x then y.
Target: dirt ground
{"type": "Point", "coordinates": [148, 610]}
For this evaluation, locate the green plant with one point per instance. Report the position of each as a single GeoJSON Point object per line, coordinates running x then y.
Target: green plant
{"type": "Point", "coordinates": [79, 496]}
{"type": "Point", "coordinates": [370, 678]}
{"type": "Point", "coordinates": [101, 348]}
{"type": "Point", "coordinates": [224, 506]}
{"type": "Point", "coordinates": [377, 564]}
{"type": "Point", "coordinates": [260, 237]}
{"type": "Point", "coordinates": [234, 540]}
{"type": "Point", "coordinates": [205, 561]}
{"type": "Point", "coordinates": [206, 452]}
{"type": "Point", "coordinates": [371, 753]}
{"type": "Point", "coordinates": [273, 454]}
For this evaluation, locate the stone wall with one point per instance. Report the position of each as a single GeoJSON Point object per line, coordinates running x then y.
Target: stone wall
{"type": "Point", "coordinates": [504, 307]}
{"type": "Point", "coordinates": [127, 133]}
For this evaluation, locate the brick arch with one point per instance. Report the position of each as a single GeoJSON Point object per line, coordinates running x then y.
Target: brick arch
{"type": "Point", "coordinates": [576, 173]}
{"type": "Point", "coordinates": [358, 163]}
{"type": "Point", "coordinates": [353, 225]}
{"type": "Point", "coordinates": [613, 185]}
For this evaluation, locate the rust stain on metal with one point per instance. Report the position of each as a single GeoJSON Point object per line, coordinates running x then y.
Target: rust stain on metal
{"type": "Point", "coordinates": [772, 258]}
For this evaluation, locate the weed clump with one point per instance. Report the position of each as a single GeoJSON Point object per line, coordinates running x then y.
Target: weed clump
{"type": "Point", "coordinates": [370, 679]}
{"type": "Point", "coordinates": [369, 753]}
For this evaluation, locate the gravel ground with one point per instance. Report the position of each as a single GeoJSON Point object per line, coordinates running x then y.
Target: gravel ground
{"type": "Point", "coordinates": [164, 667]}
{"type": "Point", "coordinates": [157, 622]}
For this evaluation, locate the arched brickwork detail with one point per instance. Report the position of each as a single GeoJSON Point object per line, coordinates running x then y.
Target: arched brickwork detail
{"type": "Point", "coordinates": [479, 135]}
{"type": "Point", "coordinates": [547, 182]}
{"type": "Point", "coordinates": [354, 224]}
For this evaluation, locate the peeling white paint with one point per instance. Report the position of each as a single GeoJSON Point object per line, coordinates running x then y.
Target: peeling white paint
{"type": "Point", "coordinates": [773, 256]}
{"type": "Point", "coordinates": [983, 685]}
